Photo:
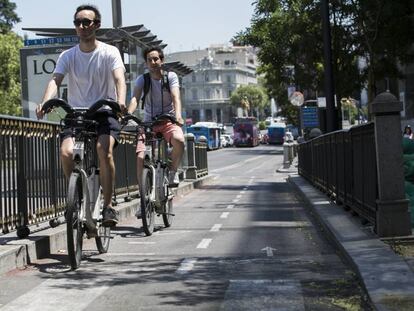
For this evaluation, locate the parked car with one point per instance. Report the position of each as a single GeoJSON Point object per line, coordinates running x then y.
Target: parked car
{"type": "Point", "coordinates": [229, 139]}
{"type": "Point", "coordinates": [223, 142]}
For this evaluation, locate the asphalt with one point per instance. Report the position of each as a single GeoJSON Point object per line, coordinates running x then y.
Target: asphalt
{"type": "Point", "coordinates": [386, 276]}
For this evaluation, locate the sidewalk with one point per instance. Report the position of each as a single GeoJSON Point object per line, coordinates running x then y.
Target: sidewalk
{"type": "Point", "coordinates": [16, 253]}
{"type": "Point", "coordinates": [386, 276]}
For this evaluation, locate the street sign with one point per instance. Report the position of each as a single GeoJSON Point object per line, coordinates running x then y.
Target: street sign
{"type": "Point", "coordinates": [309, 117]}
{"type": "Point", "coordinates": [51, 41]}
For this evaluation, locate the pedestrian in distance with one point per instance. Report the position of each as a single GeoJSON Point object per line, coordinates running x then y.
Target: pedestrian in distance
{"type": "Point", "coordinates": [162, 97]}
{"type": "Point", "coordinates": [95, 71]}
{"type": "Point", "coordinates": [408, 133]}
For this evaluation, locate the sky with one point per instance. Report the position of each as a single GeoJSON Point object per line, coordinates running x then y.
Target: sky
{"type": "Point", "coordinates": [182, 24]}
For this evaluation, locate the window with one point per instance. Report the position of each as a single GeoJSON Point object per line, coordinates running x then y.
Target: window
{"type": "Point", "coordinates": [194, 94]}
{"type": "Point", "coordinates": [228, 78]}
{"type": "Point", "coordinates": [218, 76]}
{"type": "Point", "coordinates": [218, 93]}
{"type": "Point", "coordinates": [208, 94]}
{"type": "Point", "coordinates": [229, 93]}
{"type": "Point", "coordinates": [206, 76]}
{"type": "Point", "coordinates": [193, 77]}
{"type": "Point", "coordinates": [226, 62]}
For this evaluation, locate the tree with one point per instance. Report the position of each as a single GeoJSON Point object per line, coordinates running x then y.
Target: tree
{"type": "Point", "coordinates": [8, 17]}
{"type": "Point", "coordinates": [10, 93]}
{"type": "Point", "coordinates": [254, 96]}
{"type": "Point", "coordinates": [289, 37]}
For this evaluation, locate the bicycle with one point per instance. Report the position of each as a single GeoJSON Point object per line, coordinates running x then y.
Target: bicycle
{"type": "Point", "coordinates": [155, 194]}
{"type": "Point", "coordinates": [83, 207]}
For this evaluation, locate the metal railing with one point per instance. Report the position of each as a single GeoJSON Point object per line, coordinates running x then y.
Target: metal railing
{"type": "Point", "coordinates": [33, 186]}
{"type": "Point", "coordinates": [32, 183]}
{"type": "Point", "coordinates": [343, 165]}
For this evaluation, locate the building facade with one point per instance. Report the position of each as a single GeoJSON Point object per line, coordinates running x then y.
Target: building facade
{"type": "Point", "coordinates": [217, 72]}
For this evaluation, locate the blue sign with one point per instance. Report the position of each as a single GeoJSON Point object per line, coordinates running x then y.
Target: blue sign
{"type": "Point", "coordinates": [51, 41]}
{"type": "Point", "coordinates": [309, 117]}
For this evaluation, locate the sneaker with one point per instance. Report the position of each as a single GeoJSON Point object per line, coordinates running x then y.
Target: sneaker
{"type": "Point", "coordinates": [110, 217]}
{"type": "Point", "coordinates": [173, 179]}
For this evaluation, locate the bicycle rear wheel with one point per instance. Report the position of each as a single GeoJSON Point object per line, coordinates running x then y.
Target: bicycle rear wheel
{"type": "Point", "coordinates": [103, 238]}
{"type": "Point", "coordinates": [147, 208]}
{"type": "Point", "coordinates": [74, 226]}
{"type": "Point", "coordinates": [167, 216]}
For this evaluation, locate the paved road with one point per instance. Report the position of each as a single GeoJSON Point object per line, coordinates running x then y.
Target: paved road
{"type": "Point", "coordinates": [243, 242]}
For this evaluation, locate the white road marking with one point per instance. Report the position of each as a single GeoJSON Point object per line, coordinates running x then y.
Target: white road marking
{"type": "Point", "coordinates": [224, 215]}
{"type": "Point", "coordinates": [243, 192]}
{"type": "Point", "coordinates": [230, 206]}
{"type": "Point", "coordinates": [280, 224]}
{"type": "Point", "coordinates": [239, 196]}
{"type": "Point", "coordinates": [171, 232]}
{"type": "Point", "coordinates": [186, 266]}
{"type": "Point", "coordinates": [244, 295]}
{"type": "Point", "coordinates": [269, 251]}
{"type": "Point", "coordinates": [320, 202]}
{"type": "Point", "coordinates": [245, 188]}
{"type": "Point", "coordinates": [216, 227]}
{"type": "Point", "coordinates": [49, 295]}
{"type": "Point", "coordinates": [235, 200]}
{"type": "Point", "coordinates": [141, 242]}
{"type": "Point", "coordinates": [129, 254]}
{"type": "Point", "coordinates": [204, 243]}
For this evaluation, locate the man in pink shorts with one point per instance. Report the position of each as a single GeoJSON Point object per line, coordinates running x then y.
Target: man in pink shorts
{"type": "Point", "coordinates": [163, 97]}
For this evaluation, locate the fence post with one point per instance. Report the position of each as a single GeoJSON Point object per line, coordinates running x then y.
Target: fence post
{"type": "Point", "coordinates": [191, 169]}
{"type": "Point", "coordinates": [393, 215]}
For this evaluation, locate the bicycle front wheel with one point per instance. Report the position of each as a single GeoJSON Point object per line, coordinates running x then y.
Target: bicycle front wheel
{"type": "Point", "coordinates": [167, 215]}
{"type": "Point", "coordinates": [74, 225]}
{"type": "Point", "coordinates": [147, 209]}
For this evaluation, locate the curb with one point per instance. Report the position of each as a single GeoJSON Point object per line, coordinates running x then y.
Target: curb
{"type": "Point", "coordinates": [17, 253]}
{"type": "Point", "coordinates": [388, 280]}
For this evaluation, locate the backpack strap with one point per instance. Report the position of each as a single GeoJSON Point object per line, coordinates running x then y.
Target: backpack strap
{"type": "Point", "coordinates": [165, 81]}
{"type": "Point", "coordinates": [147, 86]}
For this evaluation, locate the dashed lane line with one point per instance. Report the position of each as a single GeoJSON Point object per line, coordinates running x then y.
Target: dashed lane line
{"type": "Point", "coordinates": [224, 215]}
{"type": "Point", "coordinates": [216, 227]}
{"type": "Point", "coordinates": [230, 206]}
{"type": "Point", "coordinates": [204, 243]}
{"type": "Point", "coordinates": [186, 265]}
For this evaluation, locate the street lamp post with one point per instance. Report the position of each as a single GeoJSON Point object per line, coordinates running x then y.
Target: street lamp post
{"type": "Point", "coordinates": [329, 85]}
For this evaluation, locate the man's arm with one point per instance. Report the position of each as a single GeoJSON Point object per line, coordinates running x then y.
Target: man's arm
{"type": "Point", "coordinates": [119, 78]}
{"type": "Point", "coordinates": [50, 92]}
{"type": "Point", "coordinates": [175, 95]}
{"type": "Point", "coordinates": [133, 104]}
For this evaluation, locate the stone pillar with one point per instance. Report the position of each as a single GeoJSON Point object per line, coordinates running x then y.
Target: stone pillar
{"type": "Point", "coordinates": [393, 214]}
{"type": "Point", "coordinates": [191, 170]}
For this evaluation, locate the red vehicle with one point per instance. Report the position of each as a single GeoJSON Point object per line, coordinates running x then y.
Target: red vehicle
{"type": "Point", "coordinates": [246, 132]}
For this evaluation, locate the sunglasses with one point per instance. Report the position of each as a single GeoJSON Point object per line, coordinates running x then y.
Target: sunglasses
{"type": "Point", "coordinates": [85, 22]}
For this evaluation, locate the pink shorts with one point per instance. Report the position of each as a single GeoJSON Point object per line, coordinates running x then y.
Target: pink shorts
{"type": "Point", "coordinates": [168, 130]}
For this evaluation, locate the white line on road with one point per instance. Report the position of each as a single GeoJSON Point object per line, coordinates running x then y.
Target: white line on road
{"type": "Point", "coordinates": [129, 254]}
{"type": "Point", "coordinates": [230, 206]}
{"type": "Point", "coordinates": [239, 196]}
{"type": "Point", "coordinates": [235, 200]}
{"type": "Point", "coordinates": [224, 215]}
{"type": "Point", "coordinates": [242, 192]}
{"type": "Point", "coordinates": [216, 227]}
{"type": "Point", "coordinates": [141, 242]}
{"type": "Point", "coordinates": [186, 266]}
{"type": "Point", "coordinates": [204, 243]}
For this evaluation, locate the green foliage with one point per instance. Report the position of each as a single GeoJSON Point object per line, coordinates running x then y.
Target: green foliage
{"type": "Point", "coordinates": [10, 93]}
{"type": "Point", "coordinates": [288, 34]}
{"type": "Point", "coordinates": [262, 125]}
{"type": "Point", "coordinates": [8, 17]}
{"type": "Point", "coordinates": [255, 95]}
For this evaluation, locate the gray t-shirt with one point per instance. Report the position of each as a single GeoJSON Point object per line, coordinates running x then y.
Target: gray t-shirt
{"type": "Point", "coordinates": [153, 105]}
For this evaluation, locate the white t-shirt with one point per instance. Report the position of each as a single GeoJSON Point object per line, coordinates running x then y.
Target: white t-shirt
{"type": "Point", "coordinates": [153, 105]}
{"type": "Point", "coordinates": [89, 74]}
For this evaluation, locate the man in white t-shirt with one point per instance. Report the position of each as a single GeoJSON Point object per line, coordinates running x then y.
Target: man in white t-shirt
{"type": "Point", "coordinates": [95, 71]}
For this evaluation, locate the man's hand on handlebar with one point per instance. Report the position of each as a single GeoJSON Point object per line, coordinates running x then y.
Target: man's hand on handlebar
{"type": "Point", "coordinates": [39, 112]}
{"type": "Point", "coordinates": [179, 121]}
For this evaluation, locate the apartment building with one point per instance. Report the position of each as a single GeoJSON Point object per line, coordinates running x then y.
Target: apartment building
{"type": "Point", "coordinates": [217, 72]}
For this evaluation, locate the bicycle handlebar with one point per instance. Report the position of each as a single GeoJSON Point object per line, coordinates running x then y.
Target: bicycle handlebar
{"type": "Point", "coordinates": [59, 102]}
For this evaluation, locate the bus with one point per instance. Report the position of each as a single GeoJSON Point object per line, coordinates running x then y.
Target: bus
{"type": "Point", "coordinates": [209, 130]}
{"type": "Point", "coordinates": [246, 132]}
{"type": "Point", "coordinates": [276, 132]}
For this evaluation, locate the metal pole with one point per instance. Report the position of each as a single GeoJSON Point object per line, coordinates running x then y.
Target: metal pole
{"type": "Point", "coordinates": [329, 85]}
{"type": "Point", "coordinates": [116, 13]}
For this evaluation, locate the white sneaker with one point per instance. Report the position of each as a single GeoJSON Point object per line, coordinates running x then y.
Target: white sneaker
{"type": "Point", "coordinates": [173, 179]}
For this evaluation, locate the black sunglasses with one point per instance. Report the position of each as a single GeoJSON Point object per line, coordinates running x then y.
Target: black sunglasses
{"type": "Point", "coordinates": [85, 22]}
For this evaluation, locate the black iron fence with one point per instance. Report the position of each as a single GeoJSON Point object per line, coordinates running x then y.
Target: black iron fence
{"type": "Point", "coordinates": [343, 165]}
{"type": "Point", "coordinates": [33, 187]}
